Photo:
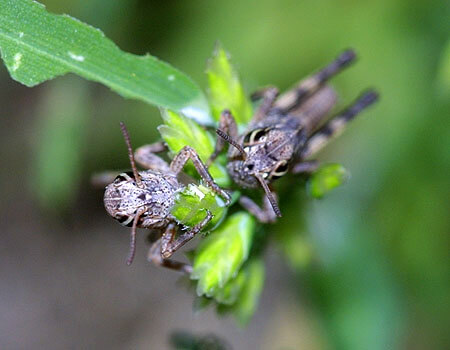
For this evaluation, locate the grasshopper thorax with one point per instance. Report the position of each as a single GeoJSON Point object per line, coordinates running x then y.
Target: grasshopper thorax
{"type": "Point", "coordinates": [124, 198]}
{"type": "Point", "coordinates": [269, 148]}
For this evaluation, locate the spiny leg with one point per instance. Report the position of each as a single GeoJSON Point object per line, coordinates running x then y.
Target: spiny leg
{"type": "Point", "coordinates": [167, 238]}
{"type": "Point", "coordinates": [228, 125]}
{"type": "Point", "coordinates": [187, 153]}
{"type": "Point", "coordinates": [264, 214]}
{"type": "Point", "coordinates": [154, 255]}
{"type": "Point", "coordinates": [145, 156]}
{"type": "Point", "coordinates": [337, 124]}
{"type": "Point", "coordinates": [269, 95]}
{"type": "Point", "coordinates": [171, 246]}
{"type": "Point", "coordinates": [293, 98]}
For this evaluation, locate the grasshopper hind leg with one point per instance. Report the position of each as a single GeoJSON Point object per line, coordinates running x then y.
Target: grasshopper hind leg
{"type": "Point", "coordinates": [336, 125]}
{"type": "Point", "coordinates": [155, 252]}
{"type": "Point", "coordinates": [145, 156]}
{"type": "Point", "coordinates": [171, 245]}
{"type": "Point", "coordinates": [308, 86]}
{"type": "Point", "coordinates": [163, 248]}
{"type": "Point", "coordinates": [154, 256]}
{"type": "Point", "coordinates": [268, 95]}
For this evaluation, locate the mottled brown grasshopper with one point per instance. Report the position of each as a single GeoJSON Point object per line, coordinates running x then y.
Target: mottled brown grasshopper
{"type": "Point", "coordinates": [145, 199]}
{"type": "Point", "coordinates": [284, 133]}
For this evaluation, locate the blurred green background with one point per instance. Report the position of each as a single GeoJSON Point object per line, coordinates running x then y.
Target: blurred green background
{"type": "Point", "coordinates": [365, 268]}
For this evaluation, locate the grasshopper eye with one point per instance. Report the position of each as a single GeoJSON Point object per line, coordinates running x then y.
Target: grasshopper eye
{"type": "Point", "coordinates": [120, 178]}
{"type": "Point", "coordinates": [280, 170]}
{"type": "Point", "coordinates": [254, 136]}
{"type": "Point", "coordinates": [125, 220]}
{"type": "Point", "coordinates": [127, 176]}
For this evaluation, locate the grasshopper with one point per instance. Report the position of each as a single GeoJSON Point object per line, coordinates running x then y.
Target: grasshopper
{"type": "Point", "coordinates": [284, 133]}
{"type": "Point", "coordinates": [145, 198]}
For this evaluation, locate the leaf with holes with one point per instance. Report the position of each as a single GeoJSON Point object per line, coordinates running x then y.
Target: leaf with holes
{"type": "Point", "coordinates": [191, 204]}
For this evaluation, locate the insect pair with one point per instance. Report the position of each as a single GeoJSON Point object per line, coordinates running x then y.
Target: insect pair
{"type": "Point", "coordinates": [283, 135]}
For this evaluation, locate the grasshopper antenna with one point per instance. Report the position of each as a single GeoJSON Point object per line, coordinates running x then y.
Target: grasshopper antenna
{"type": "Point", "coordinates": [232, 142]}
{"type": "Point", "coordinates": [126, 136]}
{"type": "Point", "coordinates": [269, 195]}
{"type": "Point", "coordinates": [132, 252]}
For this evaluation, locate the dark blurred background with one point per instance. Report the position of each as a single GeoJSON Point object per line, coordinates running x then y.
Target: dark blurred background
{"type": "Point", "coordinates": [365, 268]}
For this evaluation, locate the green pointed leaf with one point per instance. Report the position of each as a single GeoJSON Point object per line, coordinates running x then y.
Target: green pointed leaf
{"type": "Point", "coordinates": [327, 178]}
{"type": "Point", "coordinates": [231, 291]}
{"type": "Point", "coordinates": [191, 204]}
{"type": "Point", "coordinates": [225, 88]}
{"type": "Point", "coordinates": [248, 289]}
{"type": "Point", "coordinates": [179, 131]}
{"type": "Point", "coordinates": [37, 46]}
{"type": "Point", "coordinates": [248, 300]}
{"type": "Point", "coordinates": [220, 256]}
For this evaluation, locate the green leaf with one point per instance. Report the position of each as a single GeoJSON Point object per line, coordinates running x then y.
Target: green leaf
{"type": "Point", "coordinates": [248, 300]}
{"type": "Point", "coordinates": [37, 46]}
{"type": "Point", "coordinates": [220, 256]}
{"type": "Point", "coordinates": [248, 289]}
{"type": "Point", "coordinates": [326, 178]}
{"type": "Point", "coordinates": [225, 88]}
{"type": "Point", "coordinates": [191, 204]}
{"type": "Point", "coordinates": [231, 291]}
{"type": "Point", "coordinates": [179, 131]}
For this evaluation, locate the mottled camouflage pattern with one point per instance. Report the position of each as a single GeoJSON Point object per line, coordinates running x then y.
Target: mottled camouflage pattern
{"type": "Point", "coordinates": [123, 198]}
{"type": "Point", "coordinates": [145, 199]}
{"type": "Point", "coordinates": [285, 131]}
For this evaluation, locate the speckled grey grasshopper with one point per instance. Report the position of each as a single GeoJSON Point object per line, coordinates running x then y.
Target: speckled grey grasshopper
{"type": "Point", "coordinates": [284, 133]}
{"type": "Point", "coordinates": [145, 199]}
